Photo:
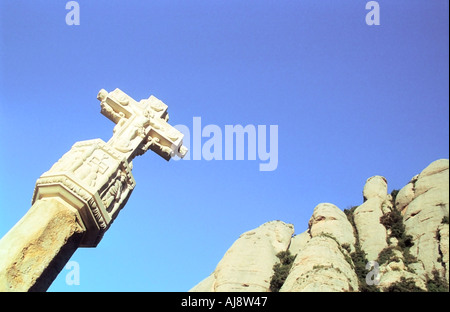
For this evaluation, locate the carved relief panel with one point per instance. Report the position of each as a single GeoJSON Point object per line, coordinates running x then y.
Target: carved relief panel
{"type": "Point", "coordinates": [94, 179]}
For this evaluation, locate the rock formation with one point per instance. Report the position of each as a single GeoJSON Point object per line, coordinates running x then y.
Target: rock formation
{"type": "Point", "coordinates": [247, 265]}
{"type": "Point", "coordinates": [423, 203]}
{"type": "Point", "coordinates": [404, 235]}
{"type": "Point", "coordinates": [372, 234]}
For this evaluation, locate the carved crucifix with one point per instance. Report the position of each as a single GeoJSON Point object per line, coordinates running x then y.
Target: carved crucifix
{"type": "Point", "coordinates": [95, 177]}
{"type": "Point", "coordinates": [140, 125]}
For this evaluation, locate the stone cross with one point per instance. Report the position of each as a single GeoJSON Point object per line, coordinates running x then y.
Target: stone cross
{"type": "Point", "coordinates": [140, 125]}
{"type": "Point", "coordinates": [76, 201]}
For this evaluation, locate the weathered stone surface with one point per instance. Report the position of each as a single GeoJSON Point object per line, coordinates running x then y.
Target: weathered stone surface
{"type": "Point", "coordinates": [424, 213]}
{"type": "Point", "coordinates": [35, 250]}
{"type": "Point", "coordinates": [298, 242]}
{"type": "Point", "coordinates": [405, 195]}
{"type": "Point", "coordinates": [395, 273]}
{"type": "Point", "coordinates": [372, 234]}
{"type": "Point", "coordinates": [247, 265]}
{"type": "Point", "coordinates": [437, 166]}
{"type": "Point", "coordinates": [394, 270]}
{"type": "Point", "coordinates": [375, 186]}
{"type": "Point", "coordinates": [327, 218]}
{"type": "Point", "coordinates": [321, 266]}
{"type": "Point", "coordinates": [435, 176]}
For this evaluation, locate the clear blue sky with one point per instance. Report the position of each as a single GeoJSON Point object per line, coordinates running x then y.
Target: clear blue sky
{"type": "Point", "coordinates": [350, 101]}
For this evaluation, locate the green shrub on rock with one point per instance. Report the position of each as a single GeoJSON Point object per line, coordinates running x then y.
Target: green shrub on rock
{"type": "Point", "coordinates": [281, 270]}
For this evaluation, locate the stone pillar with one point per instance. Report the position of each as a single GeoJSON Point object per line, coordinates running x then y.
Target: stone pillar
{"type": "Point", "coordinates": [37, 248]}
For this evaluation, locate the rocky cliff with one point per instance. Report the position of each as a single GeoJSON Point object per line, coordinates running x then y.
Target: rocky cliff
{"type": "Point", "coordinates": [391, 242]}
